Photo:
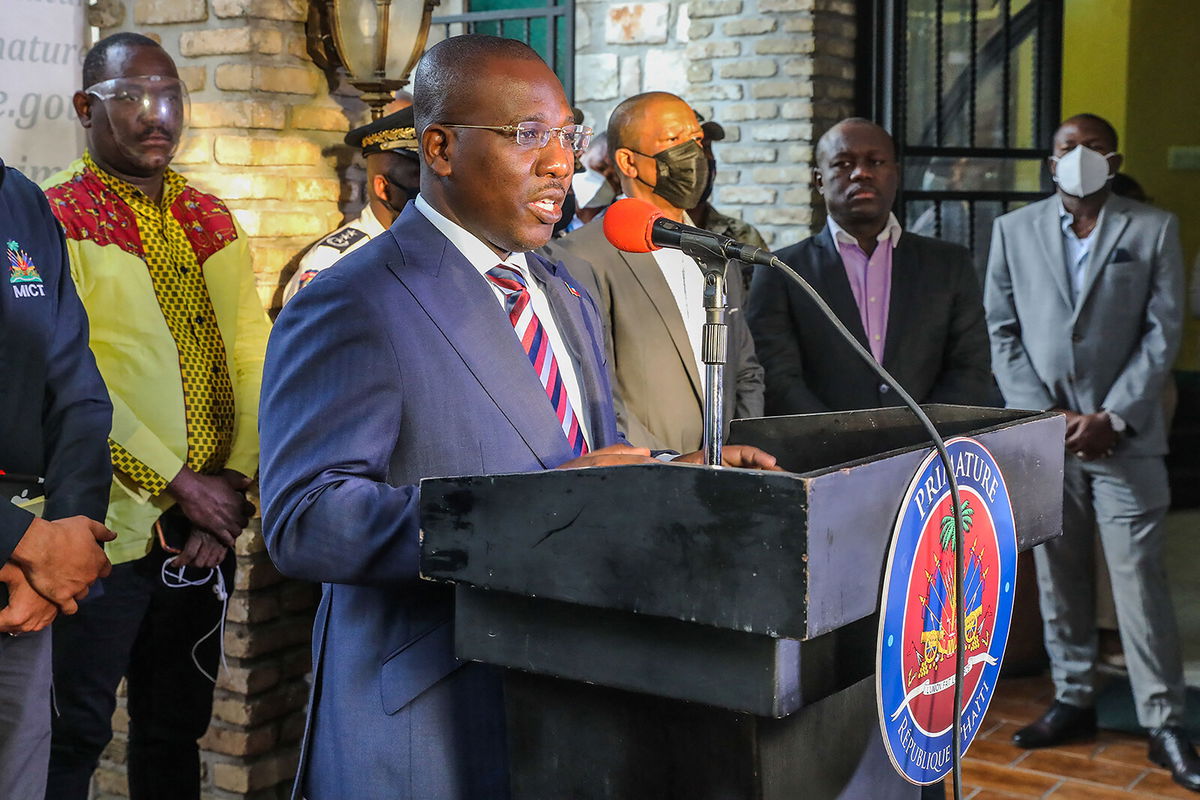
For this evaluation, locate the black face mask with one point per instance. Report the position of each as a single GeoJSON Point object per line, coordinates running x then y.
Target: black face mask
{"type": "Point", "coordinates": [682, 174]}
{"type": "Point", "coordinates": [708, 184]}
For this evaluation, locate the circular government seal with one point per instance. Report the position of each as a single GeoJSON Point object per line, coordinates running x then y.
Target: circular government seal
{"type": "Point", "coordinates": [918, 637]}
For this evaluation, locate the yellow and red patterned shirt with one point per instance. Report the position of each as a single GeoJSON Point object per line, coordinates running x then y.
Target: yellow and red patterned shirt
{"type": "Point", "coordinates": [177, 329]}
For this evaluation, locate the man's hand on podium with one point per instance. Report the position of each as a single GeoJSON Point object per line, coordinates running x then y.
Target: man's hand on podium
{"type": "Point", "coordinates": [731, 456]}
{"type": "Point", "coordinates": [737, 455]}
{"type": "Point", "coordinates": [612, 456]}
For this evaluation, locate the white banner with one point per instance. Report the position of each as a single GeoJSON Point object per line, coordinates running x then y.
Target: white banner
{"type": "Point", "coordinates": [42, 45]}
{"type": "Point", "coordinates": [928, 687]}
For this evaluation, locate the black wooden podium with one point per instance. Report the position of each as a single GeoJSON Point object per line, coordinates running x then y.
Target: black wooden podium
{"type": "Point", "coordinates": [695, 633]}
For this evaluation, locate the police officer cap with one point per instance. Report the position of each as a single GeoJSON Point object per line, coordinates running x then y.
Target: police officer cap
{"type": "Point", "coordinates": [394, 133]}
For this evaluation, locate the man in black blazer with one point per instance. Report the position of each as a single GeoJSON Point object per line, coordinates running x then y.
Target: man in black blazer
{"type": "Point", "coordinates": [914, 302]}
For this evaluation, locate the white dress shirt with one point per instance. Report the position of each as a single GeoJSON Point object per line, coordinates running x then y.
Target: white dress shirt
{"type": "Point", "coordinates": [1076, 250]}
{"type": "Point", "coordinates": [482, 258]}
{"type": "Point", "coordinates": [686, 282]}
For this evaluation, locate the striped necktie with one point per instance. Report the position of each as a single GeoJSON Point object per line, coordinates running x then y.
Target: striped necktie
{"type": "Point", "coordinates": [537, 346]}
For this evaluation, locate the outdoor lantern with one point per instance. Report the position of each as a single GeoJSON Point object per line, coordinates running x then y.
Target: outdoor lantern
{"type": "Point", "coordinates": [378, 42]}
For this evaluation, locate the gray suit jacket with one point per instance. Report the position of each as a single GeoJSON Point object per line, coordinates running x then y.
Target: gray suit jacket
{"type": "Point", "coordinates": [658, 389]}
{"type": "Point", "coordinates": [1114, 348]}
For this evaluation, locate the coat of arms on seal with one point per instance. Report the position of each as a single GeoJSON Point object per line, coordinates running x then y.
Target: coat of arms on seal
{"type": "Point", "coordinates": [918, 634]}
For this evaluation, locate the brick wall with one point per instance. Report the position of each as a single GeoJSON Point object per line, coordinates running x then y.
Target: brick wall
{"type": "Point", "coordinates": [266, 137]}
{"type": "Point", "coordinates": [776, 74]}
{"type": "Point", "coordinates": [622, 49]}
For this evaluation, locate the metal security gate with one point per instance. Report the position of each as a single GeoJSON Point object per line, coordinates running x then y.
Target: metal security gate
{"type": "Point", "coordinates": [548, 27]}
{"type": "Point", "coordinates": [971, 90]}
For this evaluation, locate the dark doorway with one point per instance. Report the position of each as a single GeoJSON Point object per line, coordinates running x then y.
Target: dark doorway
{"type": "Point", "coordinates": [971, 90]}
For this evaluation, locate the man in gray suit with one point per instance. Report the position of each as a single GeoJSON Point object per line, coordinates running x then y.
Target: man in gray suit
{"type": "Point", "coordinates": [1084, 306]}
{"type": "Point", "coordinates": [652, 303]}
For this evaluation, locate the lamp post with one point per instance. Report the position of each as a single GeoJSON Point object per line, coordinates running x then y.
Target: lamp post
{"type": "Point", "coordinates": [378, 42]}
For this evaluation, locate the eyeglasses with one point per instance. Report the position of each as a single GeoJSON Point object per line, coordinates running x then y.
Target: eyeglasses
{"type": "Point", "coordinates": [531, 134]}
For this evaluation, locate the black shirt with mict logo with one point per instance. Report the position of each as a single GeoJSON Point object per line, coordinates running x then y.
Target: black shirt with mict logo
{"type": "Point", "coordinates": [55, 414]}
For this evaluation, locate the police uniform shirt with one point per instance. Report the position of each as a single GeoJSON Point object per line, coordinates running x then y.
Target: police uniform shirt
{"type": "Point", "coordinates": [327, 252]}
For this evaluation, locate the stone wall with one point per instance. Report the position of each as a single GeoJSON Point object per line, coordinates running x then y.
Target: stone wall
{"type": "Point", "coordinates": [267, 126]}
{"type": "Point", "coordinates": [774, 73]}
{"type": "Point", "coordinates": [622, 49]}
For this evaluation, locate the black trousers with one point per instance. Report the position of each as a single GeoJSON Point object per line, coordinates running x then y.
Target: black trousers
{"type": "Point", "coordinates": [141, 629]}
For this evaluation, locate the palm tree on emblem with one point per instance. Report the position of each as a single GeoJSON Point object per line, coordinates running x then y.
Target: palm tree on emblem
{"type": "Point", "coordinates": [948, 526]}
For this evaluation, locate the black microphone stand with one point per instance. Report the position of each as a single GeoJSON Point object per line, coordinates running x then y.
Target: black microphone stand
{"type": "Point", "coordinates": [714, 352]}
{"type": "Point", "coordinates": [714, 343]}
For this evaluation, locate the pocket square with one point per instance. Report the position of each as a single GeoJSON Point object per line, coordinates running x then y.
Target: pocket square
{"type": "Point", "coordinates": [1121, 254]}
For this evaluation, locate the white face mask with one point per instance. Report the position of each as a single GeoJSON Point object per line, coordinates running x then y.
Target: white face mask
{"type": "Point", "coordinates": [1082, 171]}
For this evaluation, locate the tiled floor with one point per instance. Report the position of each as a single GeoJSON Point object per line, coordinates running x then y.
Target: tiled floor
{"type": "Point", "coordinates": [1114, 766]}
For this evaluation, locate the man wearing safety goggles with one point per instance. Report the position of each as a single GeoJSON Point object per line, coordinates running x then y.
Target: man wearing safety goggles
{"type": "Point", "coordinates": [178, 332]}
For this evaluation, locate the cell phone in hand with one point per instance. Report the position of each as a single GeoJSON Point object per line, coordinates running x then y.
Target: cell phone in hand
{"type": "Point", "coordinates": [172, 530]}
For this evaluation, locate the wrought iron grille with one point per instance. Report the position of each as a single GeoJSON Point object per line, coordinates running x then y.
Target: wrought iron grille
{"type": "Point", "coordinates": [548, 28]}
{"type": "Point", "coordinates": [971, 91]}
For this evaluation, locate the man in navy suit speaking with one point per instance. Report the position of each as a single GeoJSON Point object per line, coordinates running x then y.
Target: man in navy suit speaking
{"type": "Point", "coordinates": [443, 347]}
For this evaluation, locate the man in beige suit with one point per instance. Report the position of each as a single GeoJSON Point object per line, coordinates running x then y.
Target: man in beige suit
{"type": "Point", "coordinates": [652, 304]}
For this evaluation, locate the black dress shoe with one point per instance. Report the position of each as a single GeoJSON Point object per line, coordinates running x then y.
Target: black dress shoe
{"type": "Point", "coordinates": [1170, 748]}
{"type": "Point", "coordinates": [1061, 723]}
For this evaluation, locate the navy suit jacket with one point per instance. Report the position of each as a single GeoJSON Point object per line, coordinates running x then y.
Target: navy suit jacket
{"type": "Point", "coordinates": [398, 365]}
{"type": "Point", "coordinates": [53, 402]}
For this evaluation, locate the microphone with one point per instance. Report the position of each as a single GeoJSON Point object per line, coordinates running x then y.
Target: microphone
{"type": "Point", "coordinates": [638, 226]}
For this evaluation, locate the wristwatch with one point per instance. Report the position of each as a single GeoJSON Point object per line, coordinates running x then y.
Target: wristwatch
{"type": "Point", "coordinates": [1118, 424]}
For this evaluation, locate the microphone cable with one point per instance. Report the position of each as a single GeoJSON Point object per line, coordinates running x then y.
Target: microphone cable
{"type": "Point", "coordinates": [940, 445]}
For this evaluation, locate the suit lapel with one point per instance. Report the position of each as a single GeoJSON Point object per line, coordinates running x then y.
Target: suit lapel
{"type": "Point", "coordinates": [1050, 232]}
{"type": "Point", "coordinates": [647, 272]}
{"type": "Point", "coordinates": [1111, 227]}
{"type": "Point", "coordinates": [834, 286]}
{"type": "Point", "coordinates": [466, 312]}
{"type": "Point", "coordinates": [582, 341]}
{"type": "Point", "coordinates": [905, 297]}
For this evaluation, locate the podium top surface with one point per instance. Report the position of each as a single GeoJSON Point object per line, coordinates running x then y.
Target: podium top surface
{"type": "Point", "coordinates": [791, 555]}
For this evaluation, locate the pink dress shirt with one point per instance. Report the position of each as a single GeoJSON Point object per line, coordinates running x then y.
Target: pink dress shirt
{"type": "Point", "coordinates": [870, 279]}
